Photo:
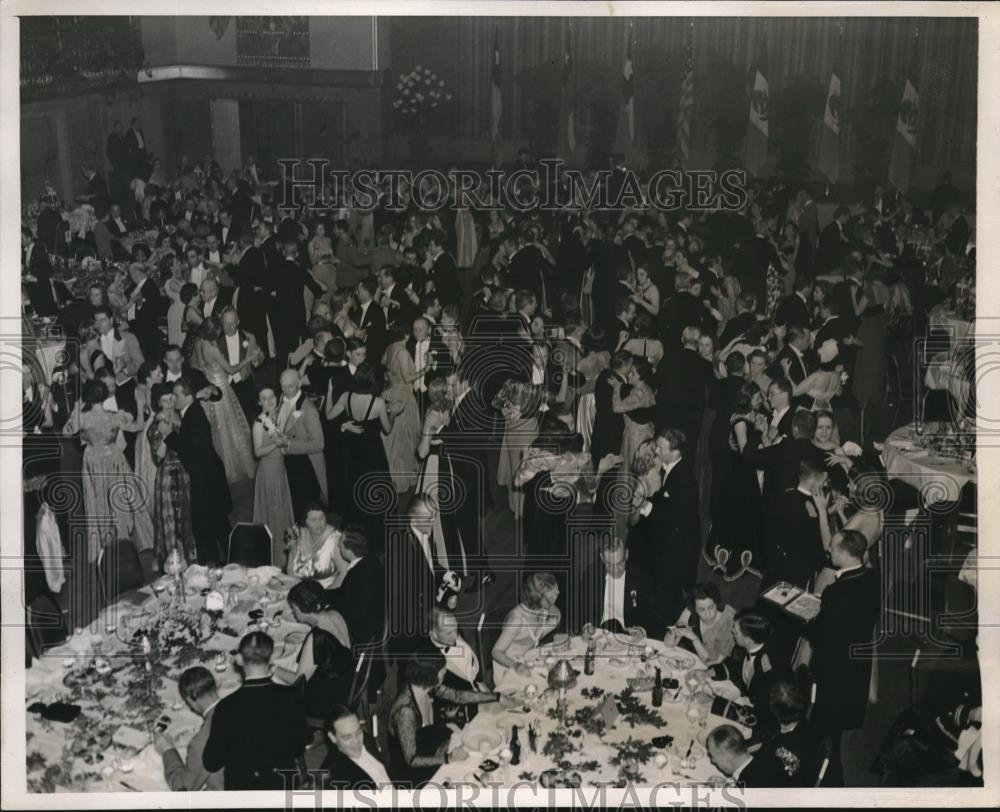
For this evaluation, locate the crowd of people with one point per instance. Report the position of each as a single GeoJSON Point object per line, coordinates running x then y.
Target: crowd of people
{"type": "Point", "coordinates": [705, 387]}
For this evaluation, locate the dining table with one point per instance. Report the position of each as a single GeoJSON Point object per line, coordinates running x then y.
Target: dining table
{"type": "Point", "coordinates": [945, 319]}
{"type": "Point", "coordinates": [125, 691]}
{"type": "Point", "coordinates": [910, 458]}
{"type": "Point", "coordinates": [602, 730]}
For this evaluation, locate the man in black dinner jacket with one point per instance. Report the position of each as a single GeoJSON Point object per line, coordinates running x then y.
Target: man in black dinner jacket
{"type": "Point", "coordinates": [441, 270]}
{"type": "Point", "coordinates": [259, 732]}
{"type": "Point", "coordinates": [848, 613]}
{"type": "Point", "coordinates": [352, 763]}
{"type": "Point", "coordinates": [609, 426]}
{"type": "Point", "coordinates": [211, 502]}
{"type": "Point", "coordinates": [360, 598]}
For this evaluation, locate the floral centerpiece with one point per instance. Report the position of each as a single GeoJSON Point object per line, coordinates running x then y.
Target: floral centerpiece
{"type": "Point", "coordinates": [417, 95]}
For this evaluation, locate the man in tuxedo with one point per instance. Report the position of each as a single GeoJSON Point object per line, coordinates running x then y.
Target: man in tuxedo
{"type": "Point", "coordinates": [301, 442]}
{"type": "Point", "coordinates": [794, 362]}
{"type": "Point", "coordinates": [288, 281]}
{"type": "Point", "coordinates": [683, 378]}
{"type": "Point", "coordinates": [224, 231]}
{"type": "Point", "coordinates": [617, 594]}
{"type": "Point", "coordinates": [214, 299]}
{"type": "Point", "coordinates": [97, 191]}
{"type": "Point", "coordinates": [370, 317]}
{"type": "Point", "coordinates": [210, 498]}
{"type": "Point", "coordinates": [849, 610]}
{"type": "Point", "coordinates": [121, 350]}
{"type": "Point", "coordinates": [236, 346]}
{"type": "Point", "coordinates": [527, 268]}
{"type": "Point", "coordinates": [413, 573]}
{"type": "Point", "coordinates": [794, 529]}
{"type": "Point", "coordinates": [174, 369]}
{"type": "Point", "coordinates": [794, 309]}
{"type": "Point", "coordinates": [360, 598]}
{"type": "Point", "coordinates": [351, 763]}
{"type": "Point", "coordinates": [251, 296]}
{"type": "Point", "coordinates": [259, 732]}
{"type": "Point", "coordinates": [117, 154]}
{"type": "Point", "coordinates": [730, 752]}
{"type": "Point", "coordinates": [609, 426]}
{"type": "Point", "coordinates": [199, 692]}
{"type": "Point", "coordinates": [425, 349]}
{"type": "Point", "coordinates": [144, 310]}
{"type": "Point", "coordinates": [116, 222]}
{"type": "Point", "coordinates": [779, 398]}
{"type": "Point", "coordinates": [135, 150]}
{"type": "Point", "coordinates": [442, 274]}
{"type": "Point", "coordinates": [196, 270]}
{"type": "Point", "coordinates": [753, 257]}
{"type": "Point", "coordinates": [833, 242]}
{"type": "Point", "coordinates": [121, 398]}
{"type": "Point", "coordinates": [464, 671]}
{"type": "Point", "coordinates": [44, 293]}
{"type": "Point", "coordinates": [743, 323]}
{"type": "Point", "coordinates": [754, 667]}
{"type": "Point", "coordinates": [393, 300]}
{"type": "Point", "coordinates": [684, 309]}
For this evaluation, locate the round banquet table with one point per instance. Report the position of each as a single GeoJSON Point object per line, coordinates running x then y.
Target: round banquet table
{"type": "Point", "coordinates": [945, 319]}
{"type": "Point", "coordinates": [614, 666]}
{"type": "Point", "coordinates": [130, 762]}
{"type": "Point", "coordinates": [936, 478]}
{"type": "Point", "coordinates": [947, 372]}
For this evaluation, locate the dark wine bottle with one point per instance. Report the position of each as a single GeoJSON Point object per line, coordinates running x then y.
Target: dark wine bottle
{"type": "Point", "coordinates": [658, 689]}
{"type": "Point", "coordinates": [515, 747]}
{"type": "Point", "coordinates": [588, 658]}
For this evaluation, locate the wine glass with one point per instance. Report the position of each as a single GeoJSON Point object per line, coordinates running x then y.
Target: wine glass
{"type": "Point", "coordinates": [661, 761]}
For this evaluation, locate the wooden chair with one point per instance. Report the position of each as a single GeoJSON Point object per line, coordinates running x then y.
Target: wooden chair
{"type": "Point", "coordinates": [249, 545]}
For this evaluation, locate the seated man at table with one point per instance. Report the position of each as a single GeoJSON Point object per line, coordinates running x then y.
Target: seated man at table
{"type": "Point", "coordinates": [351, 763]}
{"type": "Point", "coordinates": [616, 594]}
{"type": "Point", "coordinates": [753, 667]}
{"type": "Point", "coordinates": [463, 670]}
{"type": "Point", "coordinates": [730, 752]}
{"type": "Point", "coordinates": [259, 732]}
{"type": "Point", "coordinates": [197, 689]}
{"type": "Point", "coordinates": [792, 749]}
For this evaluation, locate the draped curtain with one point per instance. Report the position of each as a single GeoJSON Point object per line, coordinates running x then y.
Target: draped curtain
{"type": "Point", "coordinates": [460, 50]}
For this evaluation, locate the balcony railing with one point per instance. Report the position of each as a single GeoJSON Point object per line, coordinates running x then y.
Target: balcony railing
{"type": "Point", "coordinates": [272, 42]}
{"type": "Point", "coordinates": [64, 54]}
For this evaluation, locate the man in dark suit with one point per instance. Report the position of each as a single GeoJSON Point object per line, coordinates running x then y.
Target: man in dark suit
{"type": "Point", "coordinates": [616, 594]}
{"type": "Point", "coordinates": [730, 752]}
{"type": "Point", "coordinates": [45, 293]}
{"type": "Point", "coordinates": [211, 502]}
{"type": "Point", "coordinates": [394, 301]}
{"type": "Point", "coordinates": [351, 763]}
{"type": "Point", "coordinates": [849, 610]}
{"type": "Point", "coordinates": [370, 317]}
{"type": "Point", "coordinates": [754, 667]}
{"type": "Point", "coordinates": [214, 298]}
{"type": "Point", "coordinates": [779, 458]}
{"type": "Point", "coordinates": [236, 347]}
{"type": "Point", "coordinates": [288, 281]}
{"type": "Point", "coordinates": [609, 426]}
{"type": "Point", "coordinates": [145, 308]}
{"type": "Point", "coordinates": [413, 574]}
{"type": "Point", "coordinates": [833, 242]}
{"type": "Point", "coordinates": [135, 151]}
{"type": "Point", "coordinates": [174, 368]}
{"type": "Point", "coordinates": [794, 362]}
{"type": "Point", "coordinates": [259, 732]}
{"type": "Point", "coordinates": [97, 191]}
{"type": "Point", "coordinates": [252, 294]}
{"type": "Point", "coordinates": [794, 530]}
{"type": "Point", "coordinates": [442, 275]}
{"type": "Point", "coordinates": [753, 257]}
{"type": "Point", "coordinates": [683, 378]}
{"type": "Point", "coordinates": [794, 309]}
{"type": "Point", "coordinates": [360, 598]}
{"type": "Point", "coordinates": [527, 268]}
{"type": "Point", "coordinates": [199, 692]}
{"type": "Point", "coordinates": [427, 350]}
{"type": "Point", "coordinates": [743, 322]}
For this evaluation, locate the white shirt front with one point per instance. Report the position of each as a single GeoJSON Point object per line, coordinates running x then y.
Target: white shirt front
{"type": "Point", "coordinates": [748, 666]}
{"type": "Point", "coordinates": [372, 766]}
{"type": "Point", "coordinates": [173, 376]}
{"type": "Point", "coordinates": [614, 599]}
{"type": "Point", "coordinates": [776, 417]}
{"type": "Point", "coordinates": [198, 274]}
{"type": "Point", "coordinates": [364, 311]}
{"type": "Point", "coordinates": [285, 412]}
{"type": "Point", "coordinates": [139, 139]}
{"type": "Point", "coordinates": [209, 306]}
{"type": "Point", "coordinates": [233, 350]}
{"type": "Point", "coordinates": [108, 345]}
{"type": "Point", "coordinates": [460, 660]}
{"type": "Point", "coordinates": [215, 256]}
{"type": "Point", "coordinates": [111, 404]}
{"type": "Point", "coordinates": [120, 223]}
{"type": "Point", "coordinates": [425, 545]}
{"type": "Point", "coordinates": [420, 361]}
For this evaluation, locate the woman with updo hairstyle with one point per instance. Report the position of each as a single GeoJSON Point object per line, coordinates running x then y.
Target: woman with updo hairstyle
{"type": "Point", "coordinates": [527, 624]}
{"type": "Point", "coordinates": [325, 662]}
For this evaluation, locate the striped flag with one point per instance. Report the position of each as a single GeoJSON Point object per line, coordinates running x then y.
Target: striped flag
{"type": "Point", "coordinates": [685, 109]}
{"type": "Point", "coordinates": [567, 129]}
{"type": "Point", "coordinates": [829, 136]}
{"type": "Point", "coordinates": [904, 145]}
{"type": "Point", "coordinates": [625, 135]}
{"type": "Point", "coordinates": [497, 97]}
{"type": "Point", "coordinates": [757, 127]}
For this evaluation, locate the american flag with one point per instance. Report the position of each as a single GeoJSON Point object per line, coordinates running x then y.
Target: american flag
{"type": "Point", "coordinates": [495, 88]}
{"type": "Point", "coordinates": [685, 109]}
{"type": "Point", "coordinates": [628, 90]}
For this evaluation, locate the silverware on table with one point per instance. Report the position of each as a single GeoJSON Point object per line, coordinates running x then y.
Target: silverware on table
{"type": "Point", "coordinates": [128, 786]}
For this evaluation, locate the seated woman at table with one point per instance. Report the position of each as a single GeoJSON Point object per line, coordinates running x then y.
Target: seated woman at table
{"type": "Point", "coordinates": [527, 623]}
{"type": "Point", "coordinates": [326, 661]}
{"type": "Point", "coordinates": [313, 550]}
{"type": "Point", "coordinates": [706, 625]}
{"type": "Point", "coordinates": [418, 743]}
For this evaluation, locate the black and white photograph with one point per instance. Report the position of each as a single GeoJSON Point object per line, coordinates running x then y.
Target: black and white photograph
{"type": "Point", "coordinates": [499, 404]}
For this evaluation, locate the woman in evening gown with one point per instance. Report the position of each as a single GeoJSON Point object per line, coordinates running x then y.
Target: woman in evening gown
{"type": "Point", "coordinates": [272, 499]}
{"type": "Point", "coordinates": [172, 489]}
{"type": "Point", "coordinates": [401, 442]}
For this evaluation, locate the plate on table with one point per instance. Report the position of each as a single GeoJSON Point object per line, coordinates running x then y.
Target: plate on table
{"type": "Point", "coordinates": [481, 741]}
{"type": "Point", "coordinates": [560, 779]}
{"type": "Point", "coordinates": [680, 661]}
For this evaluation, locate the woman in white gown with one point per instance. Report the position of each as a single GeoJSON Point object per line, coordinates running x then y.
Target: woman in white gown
{"type": "Point", "coordinates": [230, 430]}
{"type": "Point", "coordinates": [526, 625]}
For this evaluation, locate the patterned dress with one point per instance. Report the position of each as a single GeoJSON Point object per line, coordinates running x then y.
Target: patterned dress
{"type": "Point", "coordinates": [171, 501]}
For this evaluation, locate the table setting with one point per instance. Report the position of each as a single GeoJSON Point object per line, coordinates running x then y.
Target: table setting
{"type": "Point", "coordinates": [938, 459]}
{"type": "Point", "coordinates": [565, 727]}
{"type": "Point", "coordinates": [94, 702]}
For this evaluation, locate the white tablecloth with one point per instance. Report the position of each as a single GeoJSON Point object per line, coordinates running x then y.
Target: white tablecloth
{"type": "Point", "coordinates": [944, 372]}
{"type": "Point", "coordinates": [938, 479]}
{"type": "Point", "coordinates": [613, 668]}
{"type": "Point", "coordinates": [943, 318]}
{"type": "Point", "coordinates": [47, 742]}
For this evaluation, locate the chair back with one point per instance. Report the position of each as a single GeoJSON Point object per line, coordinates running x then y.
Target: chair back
{"type": "Point", "coordinates": [249, 545]}
{"type": "Point", "coordinates": [120, 569]}
{"type": "Point", "coordinates": [45, 626]}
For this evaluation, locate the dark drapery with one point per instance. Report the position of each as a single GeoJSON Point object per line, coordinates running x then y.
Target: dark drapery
{"type": "Point", "coordinates": [459, 50]}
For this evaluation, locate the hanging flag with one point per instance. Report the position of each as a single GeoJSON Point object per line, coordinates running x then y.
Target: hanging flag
{"type": "Point", "coordinates": [829, 135]}
{"type": "Point", "coordinates": [757, 129]}
{"type": "Point", "coordinates": [625, 135]}
{"type": "Point", "coordinates": [904, 145]}
{"type": "Point", "coordinates": [495, 88]}
{"type": "Point", "coordinates": [219, 26]}
{"type": "Point", "coordinates": [567, 130]}
{"type": "Point", "coordinates": [685, 108]}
